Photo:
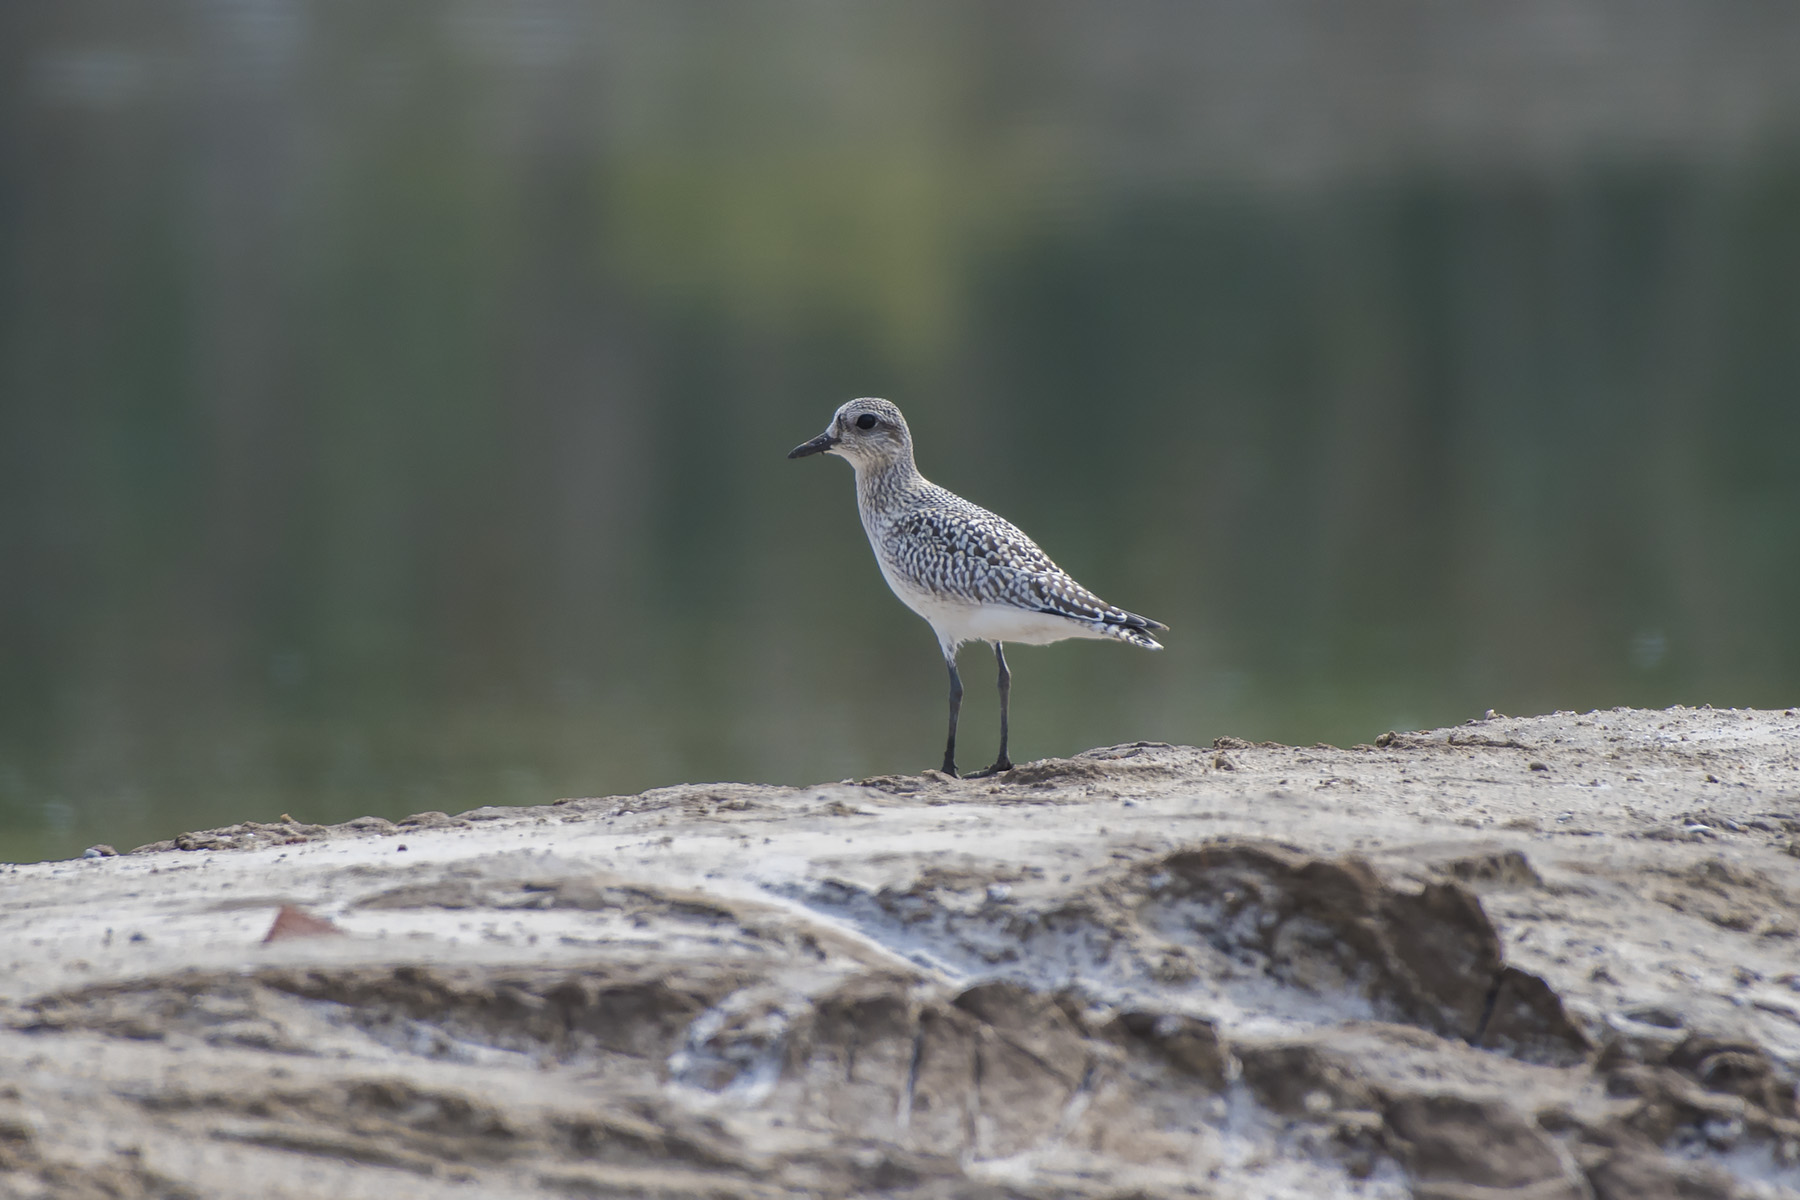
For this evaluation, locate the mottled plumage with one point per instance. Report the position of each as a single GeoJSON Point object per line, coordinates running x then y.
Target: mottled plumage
{"type": "Point", "coordinates": [941, 544]}
{"type": "Point", "coordinates": [973, 575]}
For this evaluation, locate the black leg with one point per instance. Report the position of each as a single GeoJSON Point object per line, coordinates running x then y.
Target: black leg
{"type": "Point", "coordinates": [1002, 763]}
{"type": "Point", "coordinates": [955, 711]}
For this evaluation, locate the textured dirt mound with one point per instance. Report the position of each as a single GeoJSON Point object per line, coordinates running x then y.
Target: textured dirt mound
{"type": "Point", "coordinates": [549, 1015]}
{"type": "Point", "coordinates": [1424, 968]}
{"type": "Point", "coordinates": [897, 1082]}
{"type": "Point", "coordinates": [1236, 918]}
{"type": "Point", "coordinates": [29, 1168]}
{"type": "Point", "coordinates": [928, 1076]}
{"type": "Point", "coordinates": [1429, 957]}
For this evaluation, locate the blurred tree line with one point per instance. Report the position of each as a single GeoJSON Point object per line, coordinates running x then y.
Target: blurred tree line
{"type": "Point", "coordinates": [393, 398]}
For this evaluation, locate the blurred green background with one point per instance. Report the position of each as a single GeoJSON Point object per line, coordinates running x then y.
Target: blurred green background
{"type": "Point", "coordinates": [393, 396]}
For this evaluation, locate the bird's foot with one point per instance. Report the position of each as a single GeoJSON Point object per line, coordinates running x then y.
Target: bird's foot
{"type": "Point", "coordinates": [999, 768]}
{"type": "Point", "coordinates": [949, 768]}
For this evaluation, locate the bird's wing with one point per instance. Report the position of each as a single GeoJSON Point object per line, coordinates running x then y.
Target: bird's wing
{"type": "Point", "coordinates": [1055, 592]}
{"type": "Point", "coordinates": [963, 550]}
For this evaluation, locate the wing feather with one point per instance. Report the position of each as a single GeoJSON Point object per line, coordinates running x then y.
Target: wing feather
{"type": "Point", "coordinates": [952, 547]}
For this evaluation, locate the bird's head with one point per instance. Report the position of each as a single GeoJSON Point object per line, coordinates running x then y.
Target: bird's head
{"type": "Point", "coordinates": [868, 432]}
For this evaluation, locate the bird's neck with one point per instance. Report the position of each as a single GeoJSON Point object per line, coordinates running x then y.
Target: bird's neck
{"type": "Point", "coordinates": [881, 485]}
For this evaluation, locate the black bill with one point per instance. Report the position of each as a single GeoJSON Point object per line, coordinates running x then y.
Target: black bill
{"type": "Point", "coordinates": [818, 445]}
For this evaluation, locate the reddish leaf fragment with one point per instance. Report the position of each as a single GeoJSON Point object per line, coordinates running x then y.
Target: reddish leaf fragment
{"type": "Point", "coordinates": [293, 922]}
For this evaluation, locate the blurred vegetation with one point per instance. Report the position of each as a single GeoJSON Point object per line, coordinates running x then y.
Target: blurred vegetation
{"type": "Point", "coordinates": [393, 398]}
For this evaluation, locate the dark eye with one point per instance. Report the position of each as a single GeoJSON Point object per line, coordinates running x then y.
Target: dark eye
{"type": "Point", "coordinates": [866, 421]}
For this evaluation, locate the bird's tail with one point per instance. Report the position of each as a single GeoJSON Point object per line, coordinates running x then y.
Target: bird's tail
{"type": "Point", "coordinates": [1129, 627]}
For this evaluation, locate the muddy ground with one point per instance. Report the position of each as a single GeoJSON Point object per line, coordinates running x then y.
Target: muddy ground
{"type": "Point", "coordinates": [1528, 958]}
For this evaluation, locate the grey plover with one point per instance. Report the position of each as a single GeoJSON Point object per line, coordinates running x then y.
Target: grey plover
{"type": "Point", "coordinates": [972, 575]}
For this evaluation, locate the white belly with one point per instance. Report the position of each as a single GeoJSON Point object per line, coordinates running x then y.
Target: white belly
{"type": "Point", "coordinates": [957, 621]}
{"type": "Point", "coordinates": [1003, 623]}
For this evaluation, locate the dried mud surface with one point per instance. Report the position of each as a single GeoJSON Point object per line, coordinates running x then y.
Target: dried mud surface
{"type": "Point", "coordinates": [1542, 958]}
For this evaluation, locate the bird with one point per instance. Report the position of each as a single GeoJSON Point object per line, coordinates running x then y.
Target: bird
{"type": "Point", "coordinates": [972, 575]}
